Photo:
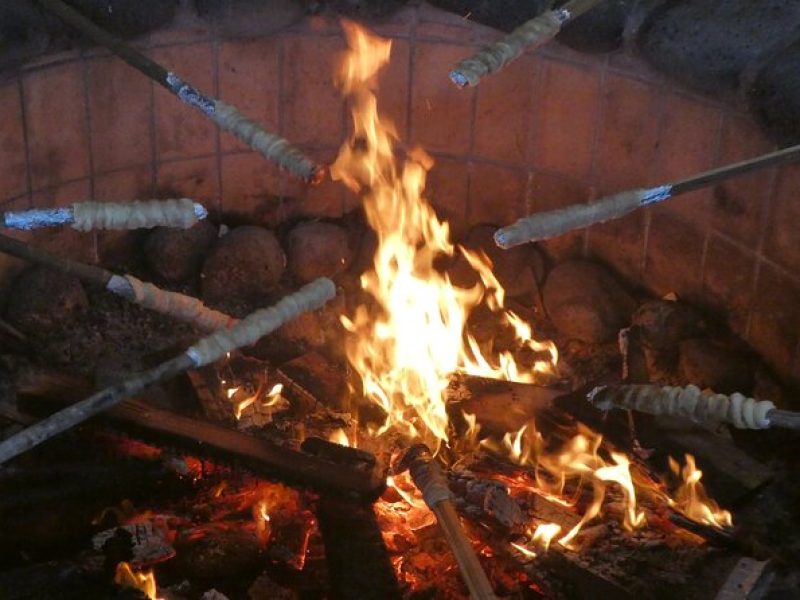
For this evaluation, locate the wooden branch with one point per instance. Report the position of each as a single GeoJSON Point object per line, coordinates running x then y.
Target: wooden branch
{"type": "Point", "coordinates": [206, 351]}
{"type": "Point", "coordinates": [272, 146]}
{"type": "Point", "coordinates": [541, 226]}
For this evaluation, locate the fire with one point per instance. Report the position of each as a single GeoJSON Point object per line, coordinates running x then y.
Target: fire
{"type": "Point", "coordinates": [544, 534]}
{"type": "Point", "coordinates": [691, 498]}
{"type": "Point", "coordinates": [145, 582]}
{"type": "Point", "coordinates": [338, 436]}
{"type": "Point", "coordinates": [406, 350]}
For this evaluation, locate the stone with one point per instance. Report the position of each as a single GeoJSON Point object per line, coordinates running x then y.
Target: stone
{"type": "Point", "coordinates": [128, 18]}
{"type": "Point", "coordinates": [718, 365]}
{"type": "Point", "coordinates": [586, 303]}
{"type": "Point", "coordinates": [317, 249]}
{"type": "Point", "coordinates": [518, 269]}
{"type": "Point", "coordinates": [598, 30]}
{"type": "Point", "coordinates": [243, 266]}
{"type": "Point", "coordinates": [362, 8]}
{"type": "Point", "coordinates": [774, 95]}
{"type": "Point", "coordinates": [500, 14]}
{"type": "Point", "coordinates": [176, 255]}
{"type": "Point", "coordinates": [708, 44]}
{"type": "Point", "coordinates": [42, 300]}
{"type": "Point", "coordinates": [250, 18]}
{"type": "Point", "coordinates": [663, 324]}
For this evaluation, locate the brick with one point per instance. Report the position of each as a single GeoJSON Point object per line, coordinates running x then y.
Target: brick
{"type": "Point", "coordinates": [182, 131]}
{"type": "Point", "coordinates": [194, 178]}
{"type": "Point", "coordinates": [440, 25]}
{"type": "Point", "coordinates": [251, 187]}
{"type": "Point", "coordinates": [65, 241]}
{"type": "Point", "coordinates": [249, 79]}
{"type": "Point", "coordinates": [737, 205]}
{"type": "Point", "coordinates": [780, 241]}
{"type": "Point", "coordinates": [674, 255]}
{"type": "Point", "coordinates": [728, 280]}
{"type": "Point", "coordinates": [549, 192]}
{"type": "Point", "coordinates": [447, 190]}
{"type": "Point", "coordinates": [774, 320]}
{"type": "Point", "coordinates": [441, 114]}
{"type": "Point", "coordinates": [135, 183]}
{"type": "Point", "coordinates": [628, 136]}
{"type": "Point", "coordinates": [56, 120]}
{"type": "Point", "coordinates": [566, 108]}
{"type": "Point", "coordinates": [393, 90]}
{"type": "Point", "coordinates": [503, 112]}
{"type": "Point", "coordinates": [13, 161]}
{"type": "Point", "coordinates": [120, 115]}
{"type": "Point", "coordinates": [689, 141]}
{"type": "Point", "coordinates": [313, 110]}
{"type": "Point", "coordinates": [496, 195]}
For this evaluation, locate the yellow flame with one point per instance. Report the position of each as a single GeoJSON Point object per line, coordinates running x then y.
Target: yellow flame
{"type": "Point", "coordinates": [145, 582]}
{"type": "Point", "coordinates": [620, 473]}
{"type": "Point", "coordinates": [525, 552]}
{"type": "Point", "coordinates": [407, 348]}
{"type": "Point", "coordinates": [545, 533]}
{"type": "Point", "coordinates": [692, 500]}
{"type": "Point", "coordinates": [338, 436]}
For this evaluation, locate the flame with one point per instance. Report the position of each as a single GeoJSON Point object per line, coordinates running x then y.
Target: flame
{"type": "Point", "coordinates": [405, 350]}
{"type": "Point", "coordinates": [338, 436]}
{"type": "Point", "coordinates": [544, 534]}
{"type": "Point", "coordinates": [262, 521]}
{"type": "Point", "coordinates": [145, 582]}
{"type": "Point", "coordinates": [692, 500]}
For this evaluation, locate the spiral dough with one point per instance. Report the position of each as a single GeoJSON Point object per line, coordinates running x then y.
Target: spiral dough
{"type": "Point", "coordinates": [134, 215]}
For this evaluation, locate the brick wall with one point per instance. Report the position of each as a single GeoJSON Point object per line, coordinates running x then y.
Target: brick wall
{"type": "Point", "coordinates": [555, 128]}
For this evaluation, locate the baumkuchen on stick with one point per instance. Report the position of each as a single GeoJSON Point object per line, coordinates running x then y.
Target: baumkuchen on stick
{"type": "Point", "coordinates": [177, 305]}
{"type": "Point", "coordinates": [84, 216]}
{"type": "Point", "coordinates": [544, 225]}
{"type": "Point", "coordinates": [272, 146]}
{"type": "Point", "coordinates": [532, 34]}
{"type": "Point", "coordinates": [691, 403]}
{"type": "Point", "coordinates": [207, 350]}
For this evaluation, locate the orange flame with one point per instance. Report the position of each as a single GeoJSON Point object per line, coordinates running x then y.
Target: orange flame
{"type": "Point", "coordinates": [692, 500]}
{"type": "Point", "coordinates": [145, 582]}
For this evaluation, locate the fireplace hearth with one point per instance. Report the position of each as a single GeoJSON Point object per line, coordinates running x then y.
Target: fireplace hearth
{"type": "Point", "coordinates": [339, 300]}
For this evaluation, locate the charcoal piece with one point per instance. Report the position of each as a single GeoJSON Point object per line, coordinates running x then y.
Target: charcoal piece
{"type": "Point", "coordinates": [598, 30]}
{"type": "Point", "coordinates": [243, 266]}
{"type": "Point", "coordinates": [708, 44]}
{"type": "Point", "coordinates": [723, 367]}
{"type": "Point", "coordinates": [586, 303]}
{"type": "Point", "coordinates": [315, 249]}
{"type": "Point", "coordinates": [42, 299]}
{"type": "Point", "coordinates": [219, 554]}
{"type": "Point", "coordinates": [176, 255]}
{"type": "Point", "coordinates": [774, 95]}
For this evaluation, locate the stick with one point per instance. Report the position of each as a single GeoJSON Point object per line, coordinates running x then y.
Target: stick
{"type": "Point", "coordinates": [692, 404]}
{"type": "Point", "coordinates": [532, 34]}
{"type": "Point", "coordinates": [430, 480]}
{"type": "Point", "coordinates": [180, 306]}
{"type": "Point", "coordinates": [85, 216]}
{"type": "Point", "coordinates": [204, 352]}
{"type": "Point", "coordinates": [541, 226]}
{"type": "Point", "coordinates": [272, 146]}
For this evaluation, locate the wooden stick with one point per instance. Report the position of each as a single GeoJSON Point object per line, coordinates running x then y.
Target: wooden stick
{"type": "Point", "coordinates": [532, 34]}
{"type": "Point", "coordinates": [206, 351]}
{"type": "Point", "coordinates": [430, 480]}
{"type": "Point", "coordinates": [272, 146]}
{"type": "Point", "coordinates": [180, 306]}
{"type": "Point", "coordinates": [541, 226]}
{"type": "Point", "coordinates": [689, 402]}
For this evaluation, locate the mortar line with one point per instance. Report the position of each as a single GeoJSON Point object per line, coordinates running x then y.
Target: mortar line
{"type": "Point", "coordinates": [707, 224]}
{"type": "Point", "coordinates": [599, 121]}
{"type": "Point", "coordinates": [26, 142]}
{"type": "Point", "coordinates": [153, 140]}
{"type": "Point", "coordinates": [90, 148]}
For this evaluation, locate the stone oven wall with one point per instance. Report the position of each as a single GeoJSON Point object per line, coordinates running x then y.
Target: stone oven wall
{"type": "Point", "coordinates": [555, 128]}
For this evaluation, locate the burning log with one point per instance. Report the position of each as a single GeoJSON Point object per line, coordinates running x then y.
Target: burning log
{"type": "Point", "coordinates": [86, 216]}
{"type": "Point", "coordinates": [430, 480]}
{"type": "Point", "coordinates": [180, 306]}
{"type": "Point", "coordinates": [541, 226]}
{"type": "Point", "coordinates": [272, 146]}
{"type": "Point", "coordinates": [204, 352]}
{"type": "Point", "coordinates": [536, 32]}
{"type": "Point", "coordinates": [690, 402]}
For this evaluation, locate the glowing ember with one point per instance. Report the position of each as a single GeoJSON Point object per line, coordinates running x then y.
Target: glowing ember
{"type": "Point", "coordinates": [691, 498]}
{"type": "Point", "coordinates": [407, 352]}
{"type": "Point", "coordinates": [145, 582]}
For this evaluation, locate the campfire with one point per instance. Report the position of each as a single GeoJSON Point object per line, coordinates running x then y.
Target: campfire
{"type": "Point", "coordinates": [367, 406]}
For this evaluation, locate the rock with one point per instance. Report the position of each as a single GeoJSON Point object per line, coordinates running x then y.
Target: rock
{"type": "Point", "coordinates": [250, 18]}
{"type": "Point", "coordinates": [243, 266]}
{"type": "Point", "coordinates": [500, 14]}
{"type": "Point", "coordinates": [518, 269]}
{"type": "Point", "coordinates": [717, 365]}
{"type": "Point", "coordinates": [365, 8]}
{"type": "Point", "coordinates": [774, 95]}
{"type": "Point", "coordinates": [128, 18]}
{"type": "Point", "coordinates": [585, 302]}
{"type": "Point", "coordinates": [220, 554]}
{"type": "Point", "coordinates": [316, 249]}
{"type": "Point", "coordinates": [176, 255]}
{"type": "Point", "coordinates": [598, 30]}
{"type": "Point", "coordinates": [42, 299]}
{"type": "Point", "coordinates": [707, 44]}
{"type": "Point", "coordinates": [663, 324]}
